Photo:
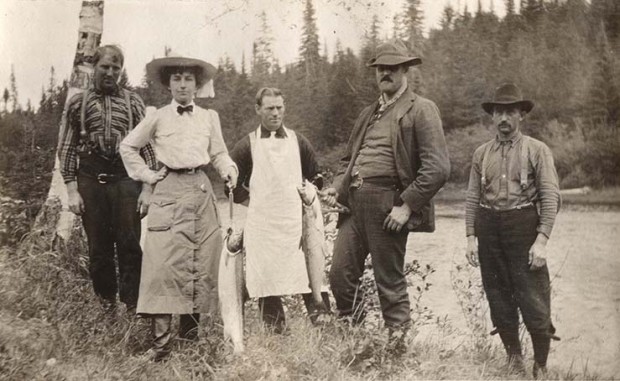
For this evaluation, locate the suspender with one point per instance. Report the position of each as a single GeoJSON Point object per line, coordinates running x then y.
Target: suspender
{"type": "Point", "coordinates": [83, 133]}
{"type": "Point", "coordinates": [523, 163]}
{"type": "Point", "coordinates": [485, 156]}
{"type": "Point", "coordinates": [523, 158]}
{"type": "Point", "coordinates": [524, 149]}
{"type": "Point", "coordinates": [129, 113]}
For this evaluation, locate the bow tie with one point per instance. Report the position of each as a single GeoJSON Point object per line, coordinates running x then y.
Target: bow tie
{"type": "Point", "coordinates": [181, 109]}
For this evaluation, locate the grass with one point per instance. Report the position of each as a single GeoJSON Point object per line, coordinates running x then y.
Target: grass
{"type": "Point", "coordinates": [52, 328]}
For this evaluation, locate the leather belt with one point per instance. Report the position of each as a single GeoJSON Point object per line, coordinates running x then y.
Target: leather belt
{"type": "Point", "coordinates": [516, 207]}
{"type": "Point", "coordinates": [102, 177]}
{"type": "Point", "coordinates": [186, 171]}
{"type": "Point", "coordinates": [357, 181]}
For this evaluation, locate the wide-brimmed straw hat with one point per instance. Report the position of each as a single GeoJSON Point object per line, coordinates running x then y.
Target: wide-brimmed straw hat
{"type": "Point", "coordinates": [155, 71]}
{"type": "Point", "coordinates": [392, 53]}
{"type": "Point", "coordinates": [506, 95]}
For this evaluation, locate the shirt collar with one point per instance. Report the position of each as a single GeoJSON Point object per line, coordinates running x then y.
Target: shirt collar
{"type": "Point", "coordinates": [265, 133]}
{"type": "Point", "coordinates": [512, 140]}
{"type": "Point", "coordinates": [176, 104]}
{"type": "Point", "coordinates": [383, 103]}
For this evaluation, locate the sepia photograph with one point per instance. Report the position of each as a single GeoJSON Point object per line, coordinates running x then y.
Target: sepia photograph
{"type": "Point", "coordinates": [310, 190]}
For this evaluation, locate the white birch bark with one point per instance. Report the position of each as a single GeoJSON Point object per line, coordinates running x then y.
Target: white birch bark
{"type": "Point", "coordinates": [89, 36]}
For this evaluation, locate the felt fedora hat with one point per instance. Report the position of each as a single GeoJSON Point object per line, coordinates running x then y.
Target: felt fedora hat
{"type": "Point", "coordinates": [392, 53]}
{"type": "Point", "coordinates": [508, 94]}
{"type": "Point", "coordinates": [154, 69]}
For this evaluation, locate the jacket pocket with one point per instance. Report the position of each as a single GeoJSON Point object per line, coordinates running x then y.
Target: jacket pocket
{"type": "Point", "coordinates": [161, 214]}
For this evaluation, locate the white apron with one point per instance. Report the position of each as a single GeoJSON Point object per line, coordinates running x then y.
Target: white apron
{"type": "Point", "coordinates": [275, 264]}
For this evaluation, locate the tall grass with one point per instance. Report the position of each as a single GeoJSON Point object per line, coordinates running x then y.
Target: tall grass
{"type": "Point", "coordinates": [53, 328]}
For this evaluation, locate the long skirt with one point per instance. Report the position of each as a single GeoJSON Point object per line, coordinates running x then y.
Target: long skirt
{"type": "Point", "coordinates": [182, 247]}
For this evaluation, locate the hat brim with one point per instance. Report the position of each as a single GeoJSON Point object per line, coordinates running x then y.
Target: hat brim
{"type": "Point", "coordinates": [394, 61]}
{"type": "Point", "coordinates": [154, 69]}
{"type": "Point", "coordinates": [524, 105]}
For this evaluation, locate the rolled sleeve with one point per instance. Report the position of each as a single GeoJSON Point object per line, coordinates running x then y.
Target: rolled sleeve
{"type": "Point", "coordinates": [434, 166]}
{"type": "Point", "coordinates": [548, 190]}
{"type": "Point", "coordinates": [472, 201]}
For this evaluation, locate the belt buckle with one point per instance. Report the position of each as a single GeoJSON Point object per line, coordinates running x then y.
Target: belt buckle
{"type": "Point", "coordinates": [356, 182]}
{"type": "Point", "coordinates": [102, 178]}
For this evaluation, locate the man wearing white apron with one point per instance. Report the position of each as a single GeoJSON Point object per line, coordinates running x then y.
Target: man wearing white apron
{"type": "Point", "coordinates": [272, 162]}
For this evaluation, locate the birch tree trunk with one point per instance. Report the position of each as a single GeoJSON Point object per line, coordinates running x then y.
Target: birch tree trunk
{"type": "Point", "coordinates": [55, 217]}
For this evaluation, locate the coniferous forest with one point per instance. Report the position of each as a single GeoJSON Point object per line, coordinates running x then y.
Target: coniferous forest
{"type": "Point", "coordinates": [564, 54]}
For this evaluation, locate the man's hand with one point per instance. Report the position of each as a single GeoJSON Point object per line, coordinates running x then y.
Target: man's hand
{"type": "Point", "coordinates": [230, 177]}
{"type": "Point", "coordinates": [471, 253]}
{"type": "Point", "coordinates": [329, 196]}
{"type": "Point", "coordinates": [74, 199]}
{"type": "Point", "coordinates": [538, 252]}
{"type": "Point", "coordinates": [158, 176]}
{"type": "Point", "coordinates": [398, 217]}
{"type": "Point", "coordinates": [144, 199]}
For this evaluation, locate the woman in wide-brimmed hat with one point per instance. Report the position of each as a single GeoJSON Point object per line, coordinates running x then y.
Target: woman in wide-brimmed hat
{"type": "Point", "coordinates": [183, 239]}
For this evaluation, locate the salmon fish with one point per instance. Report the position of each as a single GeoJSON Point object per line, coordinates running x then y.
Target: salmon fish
{"type": "Point", "coordinates": [313, 240]}
{"type": "Point", "coordinates": [230, 289]}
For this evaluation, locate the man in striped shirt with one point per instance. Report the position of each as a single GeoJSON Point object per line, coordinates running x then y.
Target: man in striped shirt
{"type": "Point", "coordinates": [99, 189]}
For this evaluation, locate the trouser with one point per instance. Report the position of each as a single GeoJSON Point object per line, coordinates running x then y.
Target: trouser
{"type": "Point", "coordinates": [504, 241]}
{"type": "Point", "coordinates": [161, 330]}
{"type": "Point", "coordinates": [272, 311]}
{"type": "Point", "coordinates": [362, 233]}
{"type": "Point", "coordinates": [111, 221]}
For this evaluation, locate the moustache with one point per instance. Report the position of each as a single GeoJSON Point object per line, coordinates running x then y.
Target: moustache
{"type": "Point", "coordinates": [386, 78]}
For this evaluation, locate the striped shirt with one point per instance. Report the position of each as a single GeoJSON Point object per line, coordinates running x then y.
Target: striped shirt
{"type": "Point", "coordinates": [106, 123]}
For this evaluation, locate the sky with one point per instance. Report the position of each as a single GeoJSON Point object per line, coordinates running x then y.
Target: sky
{"type": "Point", "coordinates": [38, 34]}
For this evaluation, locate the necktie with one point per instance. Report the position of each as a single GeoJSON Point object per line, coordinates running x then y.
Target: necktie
{"type": "Point", "coordinates": [181, 109]}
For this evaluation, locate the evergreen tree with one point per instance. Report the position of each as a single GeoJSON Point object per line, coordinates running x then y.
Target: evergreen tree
{"type": "Point", "coordinates": [604, 96]}
{"type": "Point", "coordinates": [309, 48]}
{"type": "Point", "coordinates": [367, 83]}
{"type": "Point", "coordinates": [510, 7]}
{"type": "Point", "coordinates": [344, 101]}
{"type": "Point", "coordinates": [5, 98]}
{"type": "Point", "coordinates": [262, 53]}
{"type": "Point", "coordinates": [13, 92]}
{"type": "Point", "coordinates": [411, 30]}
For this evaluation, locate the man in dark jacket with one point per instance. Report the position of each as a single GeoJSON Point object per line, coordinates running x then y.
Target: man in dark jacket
{"type": "Point", "coordinates": [396, 161]}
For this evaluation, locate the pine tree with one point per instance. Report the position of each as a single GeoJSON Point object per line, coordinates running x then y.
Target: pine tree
{"type": "Point", "coordinates": [604, 96]}
{"type": "Point", "coordinates": [367, 83]}
{"type": "Point", "coordinates": [14, 94]}
{"type": "Point", "coordinates": [262, 53]}
{"type": "Point", "coordinates": [5, 98]}
{"type": "Point", "coordinates": [309, 49]}
{"type": "Point", "coordinates": [510, 7]}
{"type": "Point", "coordinates": [411, 30]}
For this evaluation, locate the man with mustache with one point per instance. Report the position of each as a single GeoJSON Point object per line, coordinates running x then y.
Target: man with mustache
{"type": "Point", "coordinates": [272, 162]}
{"type": "Point", "coordinates": [512, 200]}
{"type": "Point", "coordinates": [98, 187]}
{"type": "Point", "coordinates": [395, 162]}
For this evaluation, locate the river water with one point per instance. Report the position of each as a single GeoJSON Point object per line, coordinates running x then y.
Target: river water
{"type": "Point", "coordinates": [584, 264]}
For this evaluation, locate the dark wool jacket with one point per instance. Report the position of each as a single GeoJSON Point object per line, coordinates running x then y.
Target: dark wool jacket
{"type": "Point", "coordinates": [420, 152]}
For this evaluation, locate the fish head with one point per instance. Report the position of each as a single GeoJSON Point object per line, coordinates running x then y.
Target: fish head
{"type": "Point", "coordinates": [307, 192]}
